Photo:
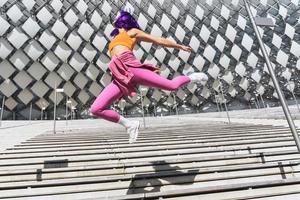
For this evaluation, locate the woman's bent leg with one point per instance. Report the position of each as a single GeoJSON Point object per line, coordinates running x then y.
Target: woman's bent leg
{"type": "Point", "coordinates": [152, 79]}
{"type": "Point", "coordinates": [99, 108]}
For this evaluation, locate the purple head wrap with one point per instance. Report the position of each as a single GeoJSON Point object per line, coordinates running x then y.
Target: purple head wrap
{"type": "Point", "coordinates": [125, 20]}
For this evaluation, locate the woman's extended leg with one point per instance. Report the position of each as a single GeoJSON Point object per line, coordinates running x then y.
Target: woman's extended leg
{"type": "Point", "coordinates": [99, 108]}
{"type": "Point", "coordinates": [152, 79]}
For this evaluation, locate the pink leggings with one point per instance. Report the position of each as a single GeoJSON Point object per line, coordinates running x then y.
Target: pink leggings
{"type": "Point", "coordinates": [141, 77]}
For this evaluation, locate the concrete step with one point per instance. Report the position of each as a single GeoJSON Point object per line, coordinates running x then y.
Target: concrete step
{"type": "Point", "coordinates": [250, 146]}
{"type": "Point", "coordinates": [145, 137]}
{"type": "Point", "coordinates": [284, 192]}
{"type": "Point", "coordinates": [143, 166]}
{"type": "Point", "coordinates": [139, 183]}
{"type": "Point", "coordinates": [191, 143]}
{"type": "Point", "coordinates": [201, 161]}
{"type": "Point", "coordinates": [233, 169]}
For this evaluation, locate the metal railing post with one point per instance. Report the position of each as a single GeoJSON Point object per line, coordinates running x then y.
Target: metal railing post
{"type": "Point", "coordinates": [216, 101]}
{"type": "Point", "coordinates": [67, 111]}
{"type": "Point", "coordinates": [258, 104]}
{"type": "Point", "coordinates": [30, 112]}
{"type": "Point", "coordinates": [228, 117]}
{"type": "Point", "coordinates": [295, 99]}
{"type": "Point", "coordinates": [262, 99]}
{"type": "Point", "coordinates": [42, 114]}
{"type": "Point", "coordinates": [175, 103]}
{"type": "Point", "coordinates": [274, 79]}
{"type": "Point", "coordinates": [54, 112]}
{"type": "Point", "coordinates": [142, 102]}
{"type": "Point", "coordinates": [2, 110]}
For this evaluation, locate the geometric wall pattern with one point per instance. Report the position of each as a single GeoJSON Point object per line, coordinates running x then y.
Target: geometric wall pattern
{"type": "Point", "coordinates": [66, 42]}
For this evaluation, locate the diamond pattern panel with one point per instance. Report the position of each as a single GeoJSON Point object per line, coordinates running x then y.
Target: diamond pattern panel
{"type": "Point", "coordinates": [67, 44]}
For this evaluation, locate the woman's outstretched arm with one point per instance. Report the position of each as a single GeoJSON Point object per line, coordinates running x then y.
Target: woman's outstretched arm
{"type": "Point", "coordinates": [142, 36]}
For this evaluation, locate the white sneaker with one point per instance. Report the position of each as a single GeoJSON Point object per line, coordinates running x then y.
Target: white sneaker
{"type": "Point", "coordinates": [133, 131]}
{"type": "Point", "coordinates": [199, 77]}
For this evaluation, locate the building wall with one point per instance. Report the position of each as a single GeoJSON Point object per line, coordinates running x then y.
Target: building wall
{"type": "Point", "coordinates": [65, 43]}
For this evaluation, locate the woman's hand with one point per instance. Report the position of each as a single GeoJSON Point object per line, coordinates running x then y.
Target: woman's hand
{"type": "Point", "coordinates": [186, 48]}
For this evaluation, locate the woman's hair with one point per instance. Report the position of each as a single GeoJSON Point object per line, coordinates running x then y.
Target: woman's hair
{"type": "Point", "coordinates": [125, 20]}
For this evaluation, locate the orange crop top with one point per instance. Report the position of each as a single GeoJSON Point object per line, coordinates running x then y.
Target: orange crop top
{"type": "Point", "coordinates": [123, 39]}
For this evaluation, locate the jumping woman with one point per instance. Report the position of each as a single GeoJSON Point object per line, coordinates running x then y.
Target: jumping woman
{"type": "Point", "coordinates": [128, 72]}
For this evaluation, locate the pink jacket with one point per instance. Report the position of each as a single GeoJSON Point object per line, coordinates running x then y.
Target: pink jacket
{"type": "Point", "coordinates": [119, 67]}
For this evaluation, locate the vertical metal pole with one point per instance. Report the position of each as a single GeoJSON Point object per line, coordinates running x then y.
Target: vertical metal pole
{"type": "Point", "coordinates": [123, 106]}
{"type": "Point", "coordinates": [72, 112]}
{"type": "Point", "coordinates": [275, 81]}
{"type": "Point", "coordinates": [2, 110]}
{"type": "Point", "coordinates": [219, 101]}
{"type": "Point", "coordinates": [216, 101]}
{"type": "Point", "coordinates": [155, 110]}
{"type": "Point", "coordinates": [42, 114]}
{"type": "Point", "coordinates": [143, 109]}
{"type": "Point", "coordinates": [221, 88]}
{"type": "Point", "coordinates": [67, 111]}
{"type": "Point", "coordinates": [54, 112]}
{"type": "Point", "coordinates": [30, 112]}
{"type": "Point", "coordinates": [296, 101]}
{"type": "Point", "coordinates": [220, 105]}
{"type": "Point", "coordinates": [294, 96]}
{"type": "Point", "coordinates": [262, 99]}
{"type": "Point", "coordinates": [176, 108]}
{"type": "Point", "coordinates": [257, 101]}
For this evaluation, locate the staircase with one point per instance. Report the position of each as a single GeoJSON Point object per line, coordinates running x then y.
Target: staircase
{"type": "Point", "coordinates": [203, 160]}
